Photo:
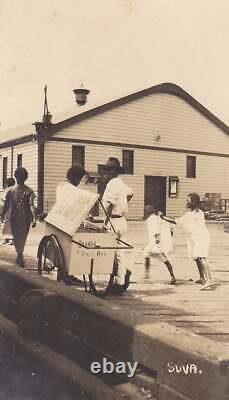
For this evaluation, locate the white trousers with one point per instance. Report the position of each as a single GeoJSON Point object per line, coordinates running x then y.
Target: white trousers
{"type": "Point", "coordinates": [125, 255]}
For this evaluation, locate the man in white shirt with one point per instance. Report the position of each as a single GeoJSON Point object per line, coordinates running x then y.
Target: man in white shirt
{"type": "Point", "coordinates": [116, 196]}
{"type": "Point", "coordinates": [115, 199]}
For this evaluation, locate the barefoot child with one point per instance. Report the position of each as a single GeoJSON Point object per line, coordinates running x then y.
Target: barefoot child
{"type": "Point", "coordinates": [198, 238]}
{"type": "Point", "coordinates": [160, 241]}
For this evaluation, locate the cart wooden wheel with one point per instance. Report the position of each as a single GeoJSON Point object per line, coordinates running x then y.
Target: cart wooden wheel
{"type": "Point", "coordinates": [51, 258]}
{"type": "Point", "coordinates": [100, 284]}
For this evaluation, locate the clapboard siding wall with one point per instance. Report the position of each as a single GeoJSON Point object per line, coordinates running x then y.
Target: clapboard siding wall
{"type": "Point", "coordinates": [5, 153]}
{"type": "Point", "coordinates": [162, 127]}
{"type": "Point", "coordinates": [180, 130]}
{"type": "Point", "coordinates": [29, 153]}
{"type": "Point", "coordinates": [140, 121]}
{"type": "Point", "coordinates": [94, 155]}
{"type": "Point", "coordinates": [29, 161]}
{"type": "Point", "coordinates": [212, 173]}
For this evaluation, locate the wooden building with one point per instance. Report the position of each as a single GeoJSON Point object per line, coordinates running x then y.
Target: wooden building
{"type": "Point", "coordinates": [168, 143]}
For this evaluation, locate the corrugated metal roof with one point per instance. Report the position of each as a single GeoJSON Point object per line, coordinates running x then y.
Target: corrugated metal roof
{"type": "Point", "coordinates": [76, 113]}
{"type": "Point", "coordinates": [16, 133]}
{"type": "Point", "coordinates": [29, 129]}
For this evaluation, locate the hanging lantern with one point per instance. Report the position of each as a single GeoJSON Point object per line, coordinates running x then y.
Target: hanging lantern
{"type": "Point", "coordinates": [81, 95]}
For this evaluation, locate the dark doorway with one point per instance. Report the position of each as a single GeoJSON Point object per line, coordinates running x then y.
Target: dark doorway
{"type": "Point", "coordinates": [155, 192]}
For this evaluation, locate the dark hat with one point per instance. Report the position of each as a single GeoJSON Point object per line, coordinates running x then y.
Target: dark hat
{"type": "Point", "coordinates": [113, 163]}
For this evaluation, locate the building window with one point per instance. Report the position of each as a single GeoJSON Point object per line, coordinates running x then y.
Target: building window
{"type": "Point", "coordinates": [191, 167]}
{"type": "Point", "coordinates": [19, 160]}
{"type": "Point", "coordinates": [78, 155]}
{"type": "Point", "coordinates": [4, 171]}
{"type": "Point", "coordinates": [128, 161]}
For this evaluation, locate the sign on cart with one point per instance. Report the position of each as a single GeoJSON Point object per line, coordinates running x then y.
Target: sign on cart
{"type": "Point", "coordinates": [70, 210]}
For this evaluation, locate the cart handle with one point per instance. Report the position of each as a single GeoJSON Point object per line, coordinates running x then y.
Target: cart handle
{"type": "Point", "coordinates": [128, 246]}
{"type": "Point", "coordinates": [105, 211]}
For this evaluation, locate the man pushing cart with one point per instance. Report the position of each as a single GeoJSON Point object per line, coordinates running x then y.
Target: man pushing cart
{"type": "Point", "coordinates": [76, 249]}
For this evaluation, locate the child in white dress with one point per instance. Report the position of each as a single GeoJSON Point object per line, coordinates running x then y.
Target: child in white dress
{"type": "Point", "coordinates": [160, 240]}
{"type": "Point", "coordinates": [198, 238]}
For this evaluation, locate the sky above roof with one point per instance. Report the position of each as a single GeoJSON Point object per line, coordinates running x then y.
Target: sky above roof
{"type": "Point", "coordinates": [113, 47]}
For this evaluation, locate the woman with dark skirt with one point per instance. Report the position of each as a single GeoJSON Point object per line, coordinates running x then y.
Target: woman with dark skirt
{"type": "Point", "coordinates": [19, 203]}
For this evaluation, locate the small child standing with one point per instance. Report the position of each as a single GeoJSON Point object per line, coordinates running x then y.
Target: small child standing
{"type": "Point", "coordinates": [160, 240]}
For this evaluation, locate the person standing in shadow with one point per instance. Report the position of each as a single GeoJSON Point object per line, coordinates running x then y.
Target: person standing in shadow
{"type": "Point", "coordinates": [19, 203]}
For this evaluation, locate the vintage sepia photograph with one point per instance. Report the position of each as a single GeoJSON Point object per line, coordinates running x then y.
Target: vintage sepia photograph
{"type": "Point", "coordinates": [114, 200]}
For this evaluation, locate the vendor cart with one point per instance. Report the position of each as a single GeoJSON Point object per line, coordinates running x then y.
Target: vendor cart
{"type": "Point", "coordinates": [78, 251]}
